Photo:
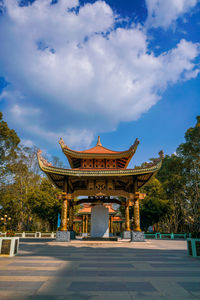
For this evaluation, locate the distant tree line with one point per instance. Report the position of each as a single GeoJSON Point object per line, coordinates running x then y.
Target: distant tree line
{"type": "Point", "coordinates": [173, 195]}
{"type": "Point", "coordinates": [172, 203]}
{"type": "Point", "coordinates": [26, 195]}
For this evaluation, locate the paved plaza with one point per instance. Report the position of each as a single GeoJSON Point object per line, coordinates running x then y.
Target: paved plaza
{"type": "Point", "coordinates": [155, 269]}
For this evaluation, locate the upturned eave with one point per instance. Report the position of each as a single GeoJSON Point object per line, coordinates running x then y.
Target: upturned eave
{"type": "Point", "coordinates": [94, 153]}
{"type": "Point", "coordinates": [48, 169]}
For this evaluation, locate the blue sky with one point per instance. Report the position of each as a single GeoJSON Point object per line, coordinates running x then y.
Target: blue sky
{"type": "Point", "coordinates": [118, 69]}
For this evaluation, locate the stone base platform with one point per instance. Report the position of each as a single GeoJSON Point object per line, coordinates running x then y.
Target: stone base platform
{"type": "Point", "coordinates": [84, 234]}
{"type": "Point", "coordinates": [112, 239]}
{"type": "Point", "coordinates": [63, 236]}
{"type": "Point", "coordinates": [137, 236]}
{"type": "Point", "coordinates": [126, 234]}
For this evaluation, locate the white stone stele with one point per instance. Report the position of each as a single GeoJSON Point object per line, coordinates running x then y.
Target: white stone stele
{"type": "Point", "coordinates": [99, 221]}
{"type": "Point", "coordinates": [137, 236]}
{"type": "Point", "coordinates": [13, 246]}
{"type": "Point", "coordinates": [63, 236]}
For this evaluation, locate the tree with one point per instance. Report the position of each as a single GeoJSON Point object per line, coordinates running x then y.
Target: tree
{"type": "Point", "coordinates": [45, 204]}
{"type": "Point", "coordinates": [9, 142]}
{"type": "Point", "coordinates": [155, 205]}
{"type": "Point", "coordinates": [174, 185]}
{"type": "Point", "coordinates": [189, 152]}
{"type": "Point", "coordinates": [14, 194]}
{"type": "Point", "coordinates": [180, 177]}
{"type": "Point", "coordinates": [20, 179]}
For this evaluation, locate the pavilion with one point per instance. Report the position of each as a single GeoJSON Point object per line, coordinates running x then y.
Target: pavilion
{"type": "Point", "coordinates": [100, 176]}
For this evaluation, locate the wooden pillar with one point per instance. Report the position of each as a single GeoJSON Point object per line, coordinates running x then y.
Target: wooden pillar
{"type": "Point", "coordinates": [136, 213]}
{"type": "Point", "coordinates": [71, 215]}
{"type": "Point", "coordinates": [86, 224]}
{"type": "Point", "coordinates": [120, 227]}
{"type": "Point", "coordinates": [127, 218]}
{"type": "Point", "coordinates": [111, 224]}
{"type": "Point", "coordinates": [83, 230]}
{"type": "Point", "coordinates": [64, 212]}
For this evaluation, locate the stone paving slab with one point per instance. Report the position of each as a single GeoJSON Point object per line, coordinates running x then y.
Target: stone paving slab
{"type": "Point", "coordinates": [190, 286]}
{"type": "Point", "coordinates": [27, 272]}
{"type": "Point", "coordinates": [35, 264]}
{"type": "Point", "coordinates": [175, 265]}
{"type": "Point", "coordinates": [119, 273]}
{"type": "Point", "coordinates": [75, 270]}
{"type": "Point", "coordinates": [20, 285]}
{"type": "Point", "coordinates": [111, 286]}
{"type": "Point", "coordinates": [105, 265]}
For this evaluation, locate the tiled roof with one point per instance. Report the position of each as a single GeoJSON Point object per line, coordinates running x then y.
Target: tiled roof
{"type": "Point", "coordinates": [78, 219]}
{"type": "Point", "coordinates": [87, 209]}
{"type": "Point", "coordinates": [117, 219]}
{"type": "Point", "coordinates": [99, 149]}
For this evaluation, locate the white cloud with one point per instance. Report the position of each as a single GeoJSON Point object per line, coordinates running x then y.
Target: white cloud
{"type": "Point", "coordinates": [78, 139]}
{"type": "Point", "coordinates": [73, 74]}
{"type": "Point", "coordinates": [162, 13]}
{"type": "Point", "coordinates": [27, 143]}
{"type": "Point", "coordinates": [24, 112]}
{"type": "Point", "coordinates": [75, 138]}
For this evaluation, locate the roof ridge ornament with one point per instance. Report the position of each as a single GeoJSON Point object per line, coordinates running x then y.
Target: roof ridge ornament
{"type": "Point", "coordinates": [135, 144]}
{"type": "Point", "coordinates": [98, 142]}
{"type": "Point", "coordinates": [62, 144]}
{"type": "Point", "coordinates": [42, 159]}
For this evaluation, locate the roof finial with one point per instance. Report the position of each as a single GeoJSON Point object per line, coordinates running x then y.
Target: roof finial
{"type": "Point", "coordinates": [62, 143]}
{"type": "Point", "coordinates": [98, 142]}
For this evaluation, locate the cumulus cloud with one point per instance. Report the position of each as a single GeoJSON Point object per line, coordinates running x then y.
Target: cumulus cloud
{"type": "Point", "coordinates": [162, 13]}
{"type": "Point", "coordinates": [29, 119]}
{"type": "Point", "coordinates": [72, 73]}
{"type": "Point", "coordinates": [27, 143]}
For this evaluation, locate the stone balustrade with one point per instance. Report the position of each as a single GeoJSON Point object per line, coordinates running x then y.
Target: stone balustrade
{"type": "Point", "coordinates": [32, 234]}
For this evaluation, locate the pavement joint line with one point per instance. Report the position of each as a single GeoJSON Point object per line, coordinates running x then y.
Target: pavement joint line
{"type": "Point", "coordinates": [79, 278]}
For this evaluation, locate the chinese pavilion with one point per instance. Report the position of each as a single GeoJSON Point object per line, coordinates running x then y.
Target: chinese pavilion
{"type": "Point", "coordinates": [100, 175]}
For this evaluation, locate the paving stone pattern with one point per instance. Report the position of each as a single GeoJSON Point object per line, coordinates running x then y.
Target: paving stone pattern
{"type": "Point", "coordinates": [90, 270]}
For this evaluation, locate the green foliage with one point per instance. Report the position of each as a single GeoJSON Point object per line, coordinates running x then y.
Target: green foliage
{"type": "Point", "coordinates": [155, 205]}
{"type": "Point", "coordinates": [180, 177]}
{"type": "Point", "coordinates": [44, 202]}
{"type": "Point", "coordinates": [174, 184]}
{"type": "Point", "coordinates": [25, 195]}
{"type": "Point", "coordinates": [9, 142]}
{"type": "Point", "coordinates": [190, 154]}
